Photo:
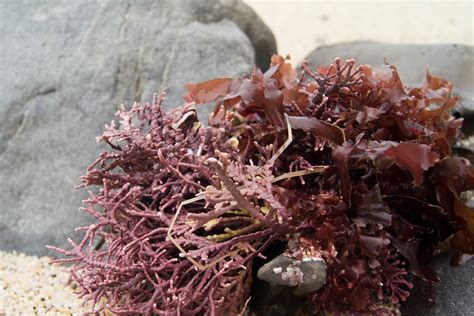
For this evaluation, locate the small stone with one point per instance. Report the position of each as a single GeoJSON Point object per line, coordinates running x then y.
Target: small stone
{"type": "Point", "coordinates": [307, 275]}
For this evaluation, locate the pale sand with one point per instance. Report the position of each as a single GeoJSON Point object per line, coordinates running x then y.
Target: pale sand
{"type": "Point", "coordinates": [31, 286]}
{"type": "Point", "coordinates": [301, 26]}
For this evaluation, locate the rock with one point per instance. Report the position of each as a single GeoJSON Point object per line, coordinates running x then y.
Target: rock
{"type": "Point", "coordinates": [241, 14]}
{"type": "Point", "coordinates": [67, 65]}
{"type": "Point", "coordinates": [278, 300]}
{"type": "Point", "coordinates": [307, 275]}
{"type": "Point", "coordinates": [453, 293]}
{"type": "Point", "coordinates": [209, 40]}
{"type": "Point", "coordinates": [453, 62]}
{"type": "Point", "coordinates": [314, 275]}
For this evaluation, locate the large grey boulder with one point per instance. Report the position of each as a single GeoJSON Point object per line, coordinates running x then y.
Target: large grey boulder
{"type": "Point", "coordinates": [258, 32]}
{"type": "Point", "coordinates": [451, 61]}
{"type": "Point", "coordinates": [67, 65]}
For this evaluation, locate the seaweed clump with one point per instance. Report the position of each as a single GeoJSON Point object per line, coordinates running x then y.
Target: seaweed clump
{"type": "Point", "coordinates": [343, 163]}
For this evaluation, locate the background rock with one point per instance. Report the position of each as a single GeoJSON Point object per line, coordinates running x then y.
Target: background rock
{"type": "Point", "coordinates": [249, 22]}
{"type": "Point", "coordinates": [200, 52]}
{"type": "Point", "coordinates": [453, 62]}
{"type": "Point", "coordinates": [67, 65]}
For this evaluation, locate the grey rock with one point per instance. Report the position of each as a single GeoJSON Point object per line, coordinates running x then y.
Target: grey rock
{"type": "Point", "coordinates": [453, 293]}
{"type": "Point", "coordinates": [453, 62]}
{"type": "Point", "coordinates": [241, 14]}
{"type": "Point", "coordinates": [306, 275]}
{"type": "Point", "coordinates": [314, 275]}
{"type": "Point", "coordinates": [205, 57]}
{"type": "Point", "coordinates": [66, 66]}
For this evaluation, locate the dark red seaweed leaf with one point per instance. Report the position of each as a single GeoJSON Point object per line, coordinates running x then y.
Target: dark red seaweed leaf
{"type": "Point", "coordinates": [318, 128]}
{"type": "Point", "coordinates": [463, 240]}
{"type": "Point", "coordinates": [415, 157]}
{"type": "Point", "coordinates": [372, 246]}
{"type": "Point", "coordinates": [410, 250]}
{"type": "Point", "coordinates": [370, 208]}
{"type": "Point", "coordinates": [207, 91]}
{"type": "Point", "coordinates": [340, 156]}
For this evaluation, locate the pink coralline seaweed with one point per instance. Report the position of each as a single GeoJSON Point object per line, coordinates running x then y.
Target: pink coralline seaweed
{"type": "Point", "coordinates": [159, 160]}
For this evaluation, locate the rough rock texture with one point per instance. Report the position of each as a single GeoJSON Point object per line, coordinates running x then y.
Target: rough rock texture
{"type": "Point", "coordinates": [306, 275]}
{"type": "Point", "coordinates": [66, 66]}
{"type": "Point", "coordinates": [453, 62]}
{"type": "Point", "coordinates": [258, 32]}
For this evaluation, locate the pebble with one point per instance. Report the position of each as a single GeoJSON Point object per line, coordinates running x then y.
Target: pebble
{"type": "Point", "coordinates": [307, 275]}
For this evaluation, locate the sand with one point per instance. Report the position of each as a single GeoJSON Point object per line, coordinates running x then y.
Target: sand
{"type": "Point", "coordinates": [31, 286]}
{"type": "Point", "coordinates": [301, 26]}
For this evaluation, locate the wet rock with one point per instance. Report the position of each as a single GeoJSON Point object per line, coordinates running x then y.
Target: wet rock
{"type": "Point", "coordinates": [307, 275]}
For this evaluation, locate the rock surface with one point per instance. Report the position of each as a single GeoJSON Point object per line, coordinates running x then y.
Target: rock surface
{"type": "Point", "coordinates": [67, 66]}
{"type": "Point", "coordinates": [453, 62]}
{"type": "Point", "coordinates": [307, 275]}
{"type": "Point", "coordinates": [248, 21]}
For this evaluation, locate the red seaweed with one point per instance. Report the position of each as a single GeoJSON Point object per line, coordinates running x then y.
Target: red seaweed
{"type": "Point", "coordinates": [343, 160]}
